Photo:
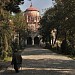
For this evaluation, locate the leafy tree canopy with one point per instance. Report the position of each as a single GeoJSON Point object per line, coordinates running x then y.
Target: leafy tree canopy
{"type": "Point", "coordinates": [11, 5]}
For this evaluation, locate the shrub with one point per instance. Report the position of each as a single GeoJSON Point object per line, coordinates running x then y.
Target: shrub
{"type": "Point", "coordinates": [4, 54]}
{"type": "Point", "coordinates": [9, 51]}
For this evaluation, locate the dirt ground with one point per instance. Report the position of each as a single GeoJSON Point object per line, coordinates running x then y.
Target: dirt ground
{"type": "Point", "coordinates": [39, 61]}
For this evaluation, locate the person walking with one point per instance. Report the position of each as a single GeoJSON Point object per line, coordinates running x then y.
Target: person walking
{"type": "Point", "coordinates": [16, 61]}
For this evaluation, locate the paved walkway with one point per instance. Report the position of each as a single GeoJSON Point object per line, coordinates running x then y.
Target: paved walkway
{"type": "Point", "coordinates": [38, 61]}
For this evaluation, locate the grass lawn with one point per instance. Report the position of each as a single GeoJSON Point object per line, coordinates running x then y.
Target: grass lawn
{"type": "Point", "coordinates": [7, 59]}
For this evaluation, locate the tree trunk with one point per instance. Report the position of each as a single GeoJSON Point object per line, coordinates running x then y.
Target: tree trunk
{"type": "Point", "coordinates": [5, 41]}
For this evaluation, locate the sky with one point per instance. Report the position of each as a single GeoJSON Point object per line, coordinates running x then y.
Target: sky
{"type": "Point", "coordinates": [41, 5]}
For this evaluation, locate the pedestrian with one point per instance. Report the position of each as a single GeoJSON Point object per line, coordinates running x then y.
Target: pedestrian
{"type": "Point", "coordinates": [16, 61]}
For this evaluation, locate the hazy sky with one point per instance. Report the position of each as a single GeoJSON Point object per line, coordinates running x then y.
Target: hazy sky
{"type": "Point", "coordinates": [39, 4]}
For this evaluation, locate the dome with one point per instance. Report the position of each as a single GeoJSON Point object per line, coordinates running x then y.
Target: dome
{"type": "Point", "coordinates": [32, 13]}
{"type": "Point", "coordinates": [32, 8]}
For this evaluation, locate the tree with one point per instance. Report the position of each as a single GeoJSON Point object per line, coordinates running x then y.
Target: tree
{"type": "Point", "coordinates": [5, 41]}
{"type": "Point", "coordinates": [11, 5]}
{"type": "Point", "coordinates": [61, 17]}
{"type": "Point", "coordinates": [20, 27]}
{"type": "Point", "coordinates": [68, 20]}
{"type": "Point", "coordinates": [6, 7]}
{"type": "Point", "coordinates": [48, 23]}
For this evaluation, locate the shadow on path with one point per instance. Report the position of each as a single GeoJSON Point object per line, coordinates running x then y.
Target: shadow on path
{"type": "Point", "coordinates": [38, 61]}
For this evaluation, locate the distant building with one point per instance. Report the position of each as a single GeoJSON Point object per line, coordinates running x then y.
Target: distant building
{"type": "Point", "coordinates": [32, 17]}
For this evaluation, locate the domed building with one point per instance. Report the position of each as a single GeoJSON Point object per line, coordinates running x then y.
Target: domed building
{"type": "Point", "coordinates": [32, 17]}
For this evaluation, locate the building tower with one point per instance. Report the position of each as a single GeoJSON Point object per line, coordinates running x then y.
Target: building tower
{"type": "Point", "coordinates": [32, 16]}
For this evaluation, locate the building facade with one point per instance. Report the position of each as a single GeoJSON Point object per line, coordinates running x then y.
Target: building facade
{"type": "Point", "coordinates": [32, 17]}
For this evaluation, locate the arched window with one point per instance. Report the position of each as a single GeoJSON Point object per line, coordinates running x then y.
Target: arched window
{"type": "Point", "coordinates": [36, 40]}
{"type": "Point", "coordinates": [29, 41]}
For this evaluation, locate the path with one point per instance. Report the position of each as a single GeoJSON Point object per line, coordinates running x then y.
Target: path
{"type": "Point", "coordinates": [38, 61]}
